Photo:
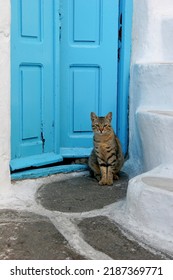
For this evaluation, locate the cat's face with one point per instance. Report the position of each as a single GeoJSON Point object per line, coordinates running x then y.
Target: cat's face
{"type": "Point", "coordinates": [101, 125]}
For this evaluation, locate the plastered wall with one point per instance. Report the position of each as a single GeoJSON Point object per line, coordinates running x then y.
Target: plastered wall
{"type": "Point", "coordinates": [4, 94]}
{"type": "Point", "coordinates": [150, 80]}
{"type": "Point", "coordinates": [152, 31]}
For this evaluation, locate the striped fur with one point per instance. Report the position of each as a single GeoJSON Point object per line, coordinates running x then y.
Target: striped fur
{"type": "Point", "coordinates": [106, 158]}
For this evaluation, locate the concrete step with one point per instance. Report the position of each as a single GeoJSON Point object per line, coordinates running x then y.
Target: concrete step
{"type": "Point", "coordinates": [149, 206]}
{"type": "Point", "coordinates": [150, 116]}
{"type": "Point", "coordinates": [152, 85]}
{"type": "Point", "coordinates": [156, 134]}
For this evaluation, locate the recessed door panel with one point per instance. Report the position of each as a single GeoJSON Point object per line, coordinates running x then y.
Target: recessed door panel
{"type": "Point", "coordinates": [30, 27]}
{"type": "Point", "coordinates": [86, 21]}
{"type": "Point", "coordinates": [85, 95]}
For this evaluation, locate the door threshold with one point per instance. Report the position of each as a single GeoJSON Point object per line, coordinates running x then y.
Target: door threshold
{"type": "Point", "coordinates": [47, 171]}
{"type": "Point", "coordinates": [35, 161]}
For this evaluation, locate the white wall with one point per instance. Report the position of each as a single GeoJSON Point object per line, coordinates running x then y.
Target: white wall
{"type": "Point", "coordinates": [4, 94]}
{"type": "Point", "coordinates": [151, 85]}
{"type": "Point", "coordinates": [152, 31]}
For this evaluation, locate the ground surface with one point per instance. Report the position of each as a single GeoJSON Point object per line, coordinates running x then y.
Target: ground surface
{"type": "Point", "coordinates": [70, 224]}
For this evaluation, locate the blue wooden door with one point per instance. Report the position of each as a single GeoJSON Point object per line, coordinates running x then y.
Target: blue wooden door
{"type": "Point", "coordinates": [64, 65]}
{"type": "Point", "coordinates": [33, 95]}
{"type": "Point", "coordinates": [89, 41]}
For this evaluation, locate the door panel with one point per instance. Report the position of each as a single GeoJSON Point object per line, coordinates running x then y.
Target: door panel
{"type": "Point", "coordinates": [33, 93]}
{"type": "Point", "coordinates": [89, 41]}
{"type": "Point", "coordinates": [86, 21]}
{"type": "Point", "coordinates": [85, 80]}
{"type": "Point", "coordinates": [30, 28]}
{"type": "Point", "coordinates": [30, 131]}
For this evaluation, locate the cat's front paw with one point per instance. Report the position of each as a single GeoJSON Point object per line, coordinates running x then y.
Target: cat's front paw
{"type": "Point", "coordinates": [110, 182]}
{"type": "Point", "coordinates": [103, 182]}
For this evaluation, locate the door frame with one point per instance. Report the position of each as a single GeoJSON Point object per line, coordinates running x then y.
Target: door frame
{"type": "Point", "coordinates": [125, 37]}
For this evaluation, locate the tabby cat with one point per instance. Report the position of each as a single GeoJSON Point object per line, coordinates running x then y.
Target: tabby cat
{"type": "Point", "coordinates": [106, 158]}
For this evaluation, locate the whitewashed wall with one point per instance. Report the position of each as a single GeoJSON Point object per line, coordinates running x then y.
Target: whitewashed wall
{"type": "Point", "coordinates": [151, 85]}
{"type": "Point", "coordinates": [4, 94]}
{"type": "Point", "coordinates": [149, 200]}
{"type": "Point", "coordinates": [152, 31]}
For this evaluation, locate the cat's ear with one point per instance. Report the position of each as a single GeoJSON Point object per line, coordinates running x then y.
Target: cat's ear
{"type": "Point", "coordinates": [109, 116]}
{"type": "Point", "coordinates": [93, 116]}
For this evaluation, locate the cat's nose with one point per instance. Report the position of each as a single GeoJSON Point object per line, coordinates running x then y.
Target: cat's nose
{"type": "Point", "coordinates": [101, 130]}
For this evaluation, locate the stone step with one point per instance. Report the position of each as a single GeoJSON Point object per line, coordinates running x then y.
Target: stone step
{"type": "Point", "coordinates": [156, 134]}
{"type": "Point", "coordinates": [149, 206]}
{"type": "Point", "coordinates": [153, 85]}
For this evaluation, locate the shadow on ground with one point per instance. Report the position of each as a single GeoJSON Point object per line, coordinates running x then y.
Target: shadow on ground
{"type": "Point", "coordinates": [81, 194]}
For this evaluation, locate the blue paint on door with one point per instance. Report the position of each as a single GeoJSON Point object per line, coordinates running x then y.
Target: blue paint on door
{"type": "Point", "coordinates": [89, 42]}
{"type": "Point", "coordinates": [64, 57]}
{"type": "Point", "coordinates": [33, 91]}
